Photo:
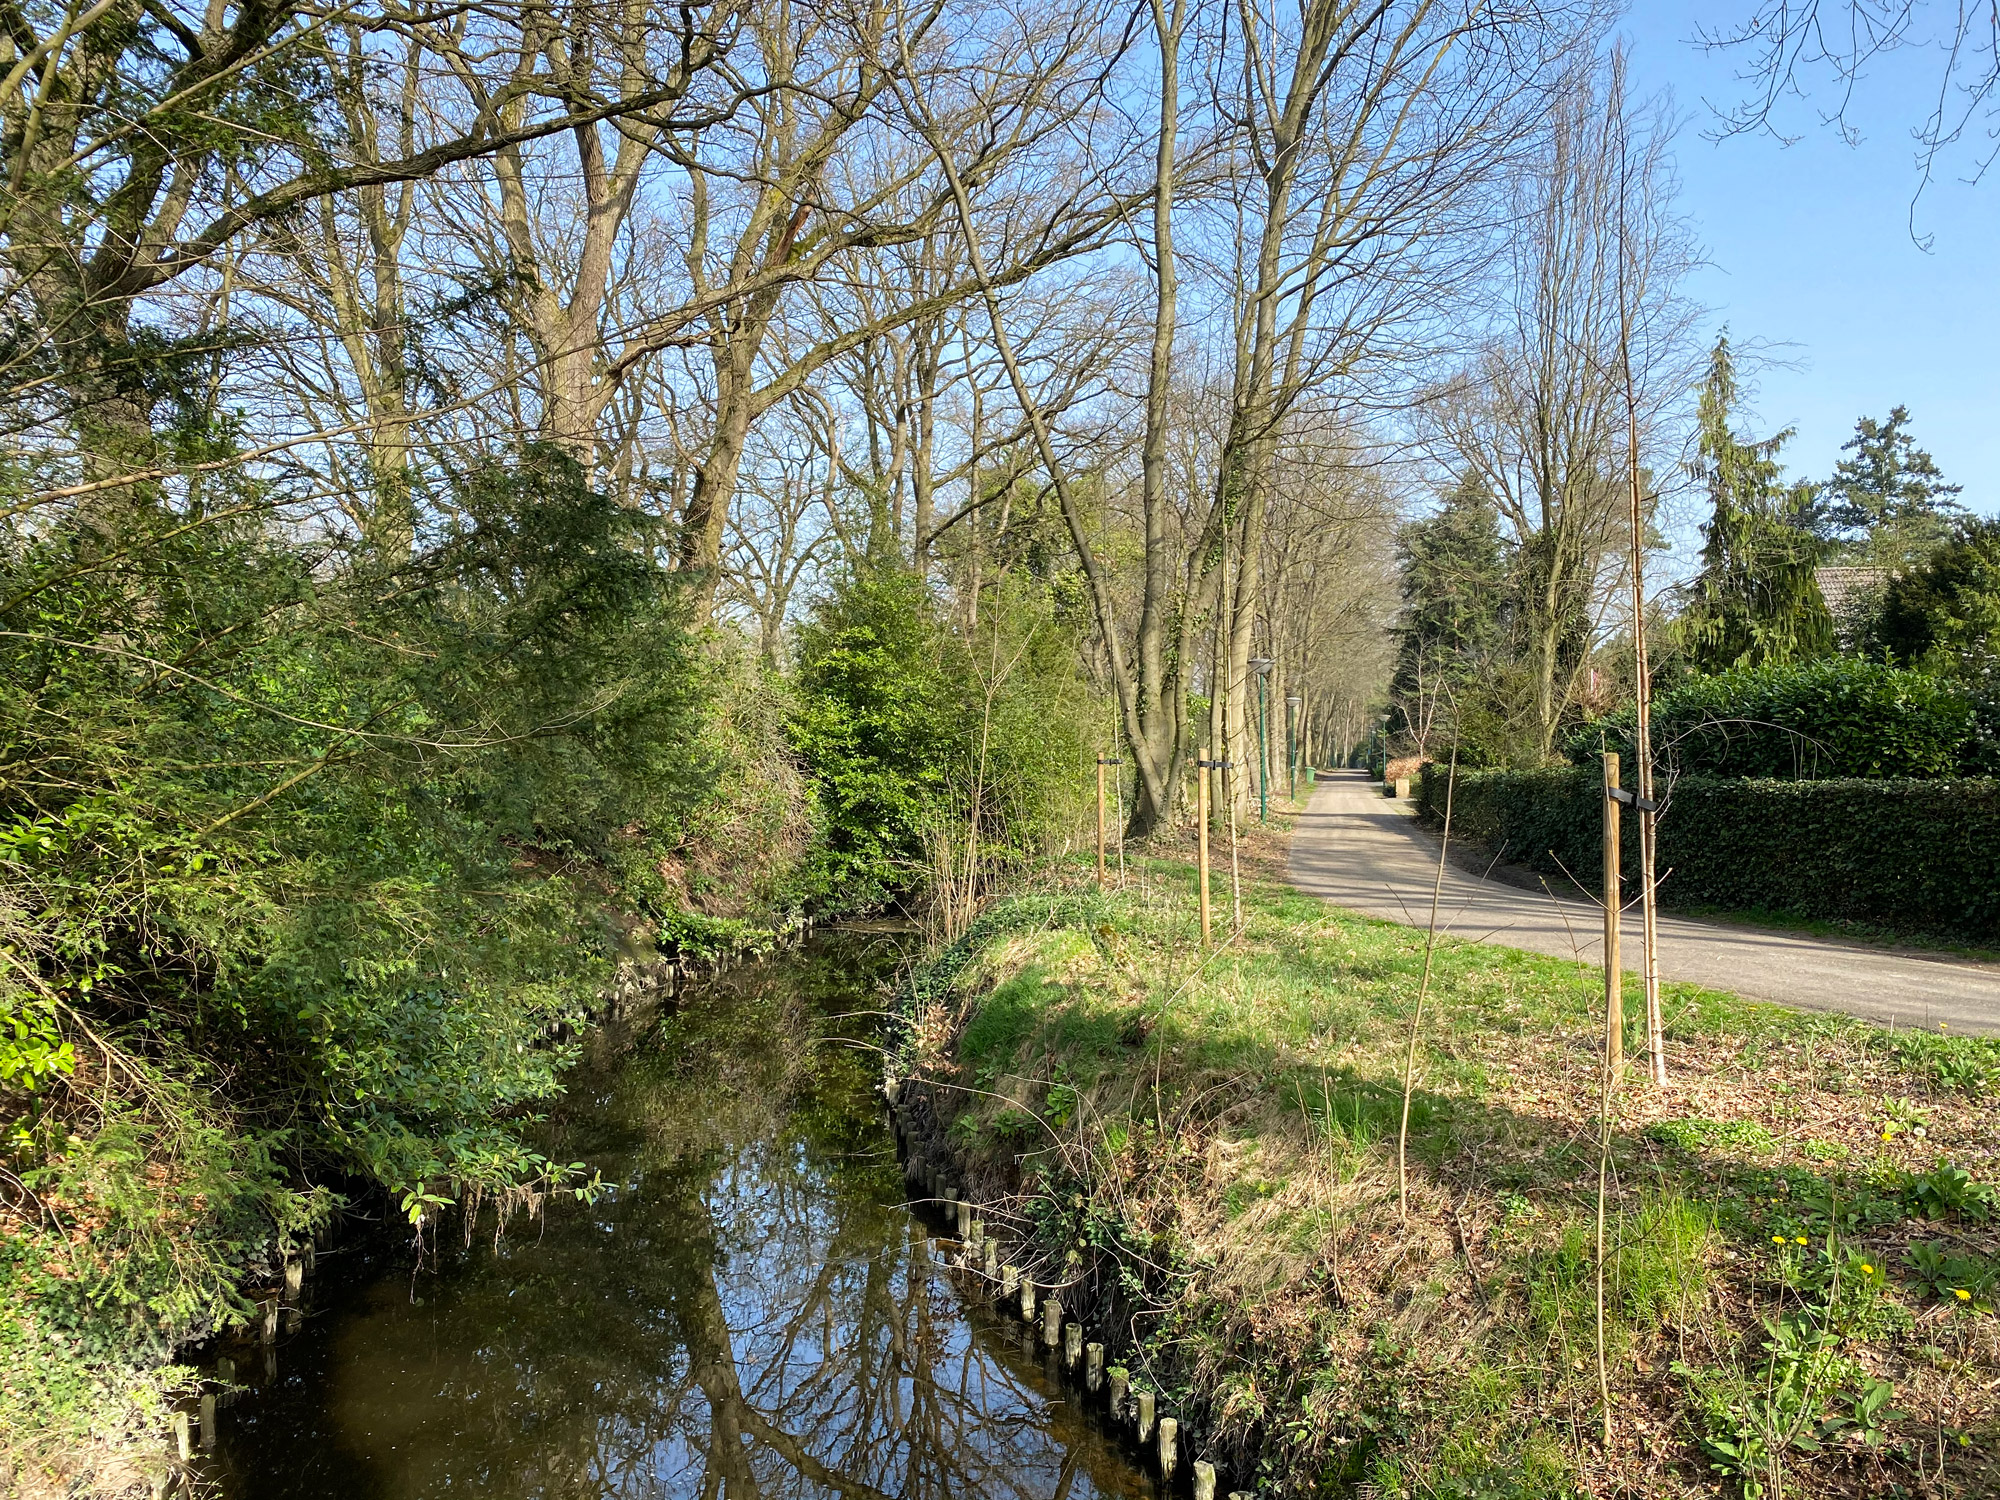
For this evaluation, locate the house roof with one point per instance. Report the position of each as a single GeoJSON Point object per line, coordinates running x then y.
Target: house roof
{"type": "Point", "coordinates": [1850, 590]}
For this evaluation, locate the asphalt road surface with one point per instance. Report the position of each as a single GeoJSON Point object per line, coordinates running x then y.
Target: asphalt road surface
{"type": "Point", "coordinates": [1366, 853]}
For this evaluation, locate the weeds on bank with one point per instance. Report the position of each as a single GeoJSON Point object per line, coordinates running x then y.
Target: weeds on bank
{"type": "Point", "coordinates": [1800, 1264]}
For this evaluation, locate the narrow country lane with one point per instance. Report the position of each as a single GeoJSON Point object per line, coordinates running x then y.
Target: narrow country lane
{"type": "Point", "coordinates": [1367, 853]}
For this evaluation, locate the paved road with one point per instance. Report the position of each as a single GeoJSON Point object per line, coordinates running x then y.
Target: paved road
{"type": "Point", "coordinates": [1366, 852]}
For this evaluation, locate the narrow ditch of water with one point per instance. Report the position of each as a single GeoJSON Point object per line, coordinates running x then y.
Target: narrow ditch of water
{"type": "Point", "coordinates": [747, 1310]}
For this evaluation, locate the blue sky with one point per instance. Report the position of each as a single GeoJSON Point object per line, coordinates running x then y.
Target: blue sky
{"type": "Point", "coordinates": [1810, 252]}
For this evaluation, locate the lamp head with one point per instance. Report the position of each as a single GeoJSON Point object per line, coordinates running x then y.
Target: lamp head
{"type": "Point", "coordinates": [1260, 665]}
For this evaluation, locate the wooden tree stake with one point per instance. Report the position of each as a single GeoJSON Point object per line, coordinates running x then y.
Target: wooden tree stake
{"type": "Point", "coordinates": [1201, 769]}
{"type": "Point", "coordinates": [1100, 822]}
{"type": "Point", "coordinates": [1614, 975]}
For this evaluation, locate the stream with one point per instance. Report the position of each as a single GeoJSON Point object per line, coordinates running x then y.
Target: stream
{"type": "Point", "coordinates": [748, 1308]}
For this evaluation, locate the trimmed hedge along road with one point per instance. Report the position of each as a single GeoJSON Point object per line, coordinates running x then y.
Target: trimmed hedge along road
{"type": "Point", "coordinates": [1921, 858]}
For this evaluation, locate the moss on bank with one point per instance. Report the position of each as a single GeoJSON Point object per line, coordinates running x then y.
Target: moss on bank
{"type": "Point", "coordinates": [1800, 1265]}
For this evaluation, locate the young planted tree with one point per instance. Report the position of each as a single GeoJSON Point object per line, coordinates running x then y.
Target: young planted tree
{"type": "Point", "coordinates": [1651, 330]}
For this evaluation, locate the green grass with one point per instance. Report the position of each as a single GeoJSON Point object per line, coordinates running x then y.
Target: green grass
{"type": "Point", "coordinates": [1218, 1135]}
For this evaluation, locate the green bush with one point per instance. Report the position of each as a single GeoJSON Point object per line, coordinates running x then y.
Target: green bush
{"type": "Point", "coordinates": [1944, 614]}
{"type": "Point", "coordinates": [307, 864]}
{"type": "Point", "coordinates": [904, 719]}
{"type": "Point", "coordinates": [873, 726]}
{"type": "Point", "coordinates": [1835, 717]}
{"type": "Point", "coordinates": [1920, 858]}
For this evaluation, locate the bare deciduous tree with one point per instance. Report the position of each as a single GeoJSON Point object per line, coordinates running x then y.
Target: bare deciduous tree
{"type": "Point", "coordinates": [1542, 418]}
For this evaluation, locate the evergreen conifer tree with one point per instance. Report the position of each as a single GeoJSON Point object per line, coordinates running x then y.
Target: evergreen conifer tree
{"type": "Point", "coordinates": [1454, 577]}
{"type": "Point", "coordinates": [1755, 601]}
{"type": "Point", "coordinates": [1887, 503]}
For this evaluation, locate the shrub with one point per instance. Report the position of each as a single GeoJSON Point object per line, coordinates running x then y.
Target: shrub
{"type": "Point", "coordinates": [1914, 857]}
{"type": "Point", "coordinates": [904, 719]}
{"type": "Point", "coordinates": [1945, 612]}
{"type": "Point", "coordinates": [305, 867]}
{"type": "Point", "coordinates": [1835, 717]}
{"type": "Point", "coordinates": [872, 727]}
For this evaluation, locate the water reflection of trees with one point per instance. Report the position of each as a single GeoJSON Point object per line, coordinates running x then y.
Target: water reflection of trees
{"type": "Point", "coordinates": [848, 1365]}
{"type": "Point", "coordinates": [743, 1314]}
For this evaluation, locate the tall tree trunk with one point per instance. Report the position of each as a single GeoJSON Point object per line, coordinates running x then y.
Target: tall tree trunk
{"type": "Point", "coordinates": [715, 482]}
{"type": "Point", "coordinates": [1156, 720]}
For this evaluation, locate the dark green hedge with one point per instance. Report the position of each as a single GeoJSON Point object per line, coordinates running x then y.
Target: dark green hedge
{"type": "Point", "coordinates": [1836, 717]}
{"type": "Point", "coordinates": [1915, 857]}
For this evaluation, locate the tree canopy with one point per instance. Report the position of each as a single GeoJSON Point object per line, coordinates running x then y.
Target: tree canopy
{"type": "Point", "coordinates": [1887, 503]}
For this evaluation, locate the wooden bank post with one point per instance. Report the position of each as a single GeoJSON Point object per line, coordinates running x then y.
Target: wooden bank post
{"type": "Point", "coordinates": [1614, 974]}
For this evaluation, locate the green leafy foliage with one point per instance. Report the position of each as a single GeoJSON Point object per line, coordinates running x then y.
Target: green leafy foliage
{"type": "Point", "coordinates": [1693, 1135]}
{"type": "Point", "coordinates": [1944, 613]}
{"type": "Point", "coordinates": [1948, 1192]}
{"type": "Point", "coordinates": [32, 1046]}
{"type": "Point", "coordinates": [1803, 1396]}
{"type": "Point", "coordinates": [1919, 858]}
{"type": "Point", "coordinates": [1957, 1064]}
{"type": "Point", "coordinates": [1453, 584]}
{"type": "Point", "coordinates": [1835, 717]}
{"type": "Point", "coordinates": [1955, 1277]}
{"type": "Point", "coordinates": [915, 730]}
{"type": "Point", "coordinates": [874, 724]}
{"type": "Point", "coordinates": [1887, 502]}
{"type": "Point", "coordinates": [308, 866]}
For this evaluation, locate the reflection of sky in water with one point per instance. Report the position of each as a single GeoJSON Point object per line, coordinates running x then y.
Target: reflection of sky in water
{"type": "Point", "coordinates": [749, 1318]}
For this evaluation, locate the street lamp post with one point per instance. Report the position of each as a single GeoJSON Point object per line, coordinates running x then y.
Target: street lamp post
{"type": "Point", "coordinates": [1292, 743]}
{"type": "Point", "coordinates": [1261, 665]}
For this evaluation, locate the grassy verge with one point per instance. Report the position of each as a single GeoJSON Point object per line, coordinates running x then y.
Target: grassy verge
{"type": "Point", "coordinates": [1800, 1250]}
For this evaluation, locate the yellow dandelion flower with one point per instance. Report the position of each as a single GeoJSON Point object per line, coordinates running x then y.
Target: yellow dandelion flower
{"type": "Point", "coordinates": [1777, 1239]}
{"type": "Point", "coordinates": [1866, 1269]}
{"type": "Point", "coordinates": [1800, 1238]}
{"type": "Point", "coordinates": [1961, 1293]}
